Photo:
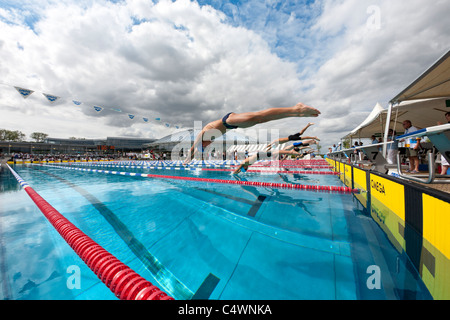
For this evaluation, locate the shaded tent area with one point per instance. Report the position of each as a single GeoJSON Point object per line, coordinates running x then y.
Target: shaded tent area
{"type": "Point", "coordinates": [422, 114]}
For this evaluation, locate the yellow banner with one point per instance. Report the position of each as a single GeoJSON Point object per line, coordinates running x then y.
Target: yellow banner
{"type": "Point", "coordinates": [389, 193]}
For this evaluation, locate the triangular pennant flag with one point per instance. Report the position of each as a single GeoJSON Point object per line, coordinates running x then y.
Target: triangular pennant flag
{"type": "Point", "coordinates": [145, 119]}
{"type": "Point", "coordinates": [177, 127]}
{"type": "Point", "coordinates": [78, 103]}
{"type": "Point", "coordinates": [98, 109]}
{"type": "Point", "coordinates": [167, 125]}
{"type": "Point", "coordinates": [131, 116]}
{"type": "Point", "coordinates": [115, 109]}
{"type": "Point", "coordinates": [50, 97]}
{"type": "Point", "coordinates": [158, 119]}
{"type": "Point", "coordinates": [25, 93]}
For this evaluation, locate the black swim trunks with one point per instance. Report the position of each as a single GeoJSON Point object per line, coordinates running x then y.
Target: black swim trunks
{"type": "Point", "coordinates": [224, 121]}
{"type": "Point", "coordinates": [295, 137]}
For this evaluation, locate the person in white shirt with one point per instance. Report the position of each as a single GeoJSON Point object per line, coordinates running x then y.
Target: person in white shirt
{"type": "Point", "coordinates": [414, 145]}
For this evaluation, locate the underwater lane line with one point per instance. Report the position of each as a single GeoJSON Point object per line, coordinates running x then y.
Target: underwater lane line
{"type": "Point", "coordinates": [303, 240]}
{"type": "Point", "coordinates": [150, 261]}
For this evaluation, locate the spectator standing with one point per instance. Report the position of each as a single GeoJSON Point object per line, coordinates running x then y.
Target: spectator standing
{"type": "Point", "coordinates": [392, 149]}
{"type": "Point", "coordinates": [414, 145]}
{"type": "Point", "coordinates": [444, 163]}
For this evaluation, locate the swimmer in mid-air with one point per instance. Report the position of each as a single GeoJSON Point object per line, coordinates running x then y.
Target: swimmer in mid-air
{"type": "Point", "coordinates": [247, 120]}
{"type": "Point", "coordinates": [260, 154]}
{"type": "Point", "coordinates": [296, 137]}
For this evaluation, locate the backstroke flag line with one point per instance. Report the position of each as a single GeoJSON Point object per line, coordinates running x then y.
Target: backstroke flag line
{"type": "Point", "coordinates": [50, 97]}
{"type": "Point", "coordinates": [25, 93]}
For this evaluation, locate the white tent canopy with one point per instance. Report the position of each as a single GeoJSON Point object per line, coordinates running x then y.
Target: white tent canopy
{"type": "Point", "coordinates": [372, 123]}
{"type": "Point", "coordinates": [421, 113]}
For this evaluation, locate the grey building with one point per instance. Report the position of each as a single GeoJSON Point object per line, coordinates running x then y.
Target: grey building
{"type": "Point", "coordinates": [76, 146]}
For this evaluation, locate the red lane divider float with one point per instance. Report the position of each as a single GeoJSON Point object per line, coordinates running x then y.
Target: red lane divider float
{"type": "Point", "coordinates": [296, 163]}
{"type": "Point", "coordinates": [180, 167]}
{"type": "Point", "coordinates": [325, 173]}
{"type": "Point", "coordinates": [231, 182]}
{"type": "Point", "coordinates": [119, 278]}
{"type": "Point", "coordinates": [262, 184]}
{"type": "Point", "coordinates": [294, 167]}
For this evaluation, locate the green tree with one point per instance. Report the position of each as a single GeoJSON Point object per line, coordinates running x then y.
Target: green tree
{"type": "Point", "coordinates": [347, 143]}
{"type": "Point", "coordinates": [13, 136]}
{"type": "Point", "coordinates": [38, 136]}
{"type": "Point", "coordinates": [318, 148]}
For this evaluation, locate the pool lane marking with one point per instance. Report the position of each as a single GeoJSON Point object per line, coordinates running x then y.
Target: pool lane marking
{"type": "Point", "coordinates": [313, 188]}
{"type": "Point", "coordinates": [237, 263]}
{"type": "Point", "coordinates": [276, 171]}
{"type": "Point", "coordinates": [206, 288]}
{"type": "Point", "coordinates": [256, 206]}
{"type": "Point", "coordinates": [298, 239]}
{"type": "Point", "coordinates": [149, 260]}
{"type": "Point", "coordinates": [194, 166]}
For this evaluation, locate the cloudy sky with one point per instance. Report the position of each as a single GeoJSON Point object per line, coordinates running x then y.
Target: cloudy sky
{"type": "Point", "coordinates": [184, 61]}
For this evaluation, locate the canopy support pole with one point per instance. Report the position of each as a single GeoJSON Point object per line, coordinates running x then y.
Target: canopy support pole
{"type": "Point", "coordinates": [386, 130]}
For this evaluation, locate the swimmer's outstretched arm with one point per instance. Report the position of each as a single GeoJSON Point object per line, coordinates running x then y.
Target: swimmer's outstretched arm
{"type": "Point", "coordinates": [216, 125]}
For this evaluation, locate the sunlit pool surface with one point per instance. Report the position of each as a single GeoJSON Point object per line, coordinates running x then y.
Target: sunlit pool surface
{"type": "Point", "coordinates": [198, 240]}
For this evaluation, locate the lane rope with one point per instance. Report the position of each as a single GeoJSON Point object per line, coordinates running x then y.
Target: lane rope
{"type": "Point", "coordinates": [218, 181]}
{"type": "Point", "coordinates": [267, 169]}
{"type": "Point", "coordinates": [118, 277]}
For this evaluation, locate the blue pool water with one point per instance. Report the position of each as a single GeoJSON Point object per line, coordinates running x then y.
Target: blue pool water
{"type": "Point", "coordinates": [198, 240]}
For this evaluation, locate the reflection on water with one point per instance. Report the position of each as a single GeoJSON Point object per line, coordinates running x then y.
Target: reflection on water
{"type": "Point", "coordinates": [7, 181]}
{"type": "Point", "coordinates": [254, 242]}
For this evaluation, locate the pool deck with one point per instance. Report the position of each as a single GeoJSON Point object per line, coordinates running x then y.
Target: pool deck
{"type": "Point", "coordinates": [441, 187]}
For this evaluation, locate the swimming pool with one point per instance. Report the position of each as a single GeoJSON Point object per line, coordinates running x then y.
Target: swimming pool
{"type": "Point", "coordinates": [198, 240]}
